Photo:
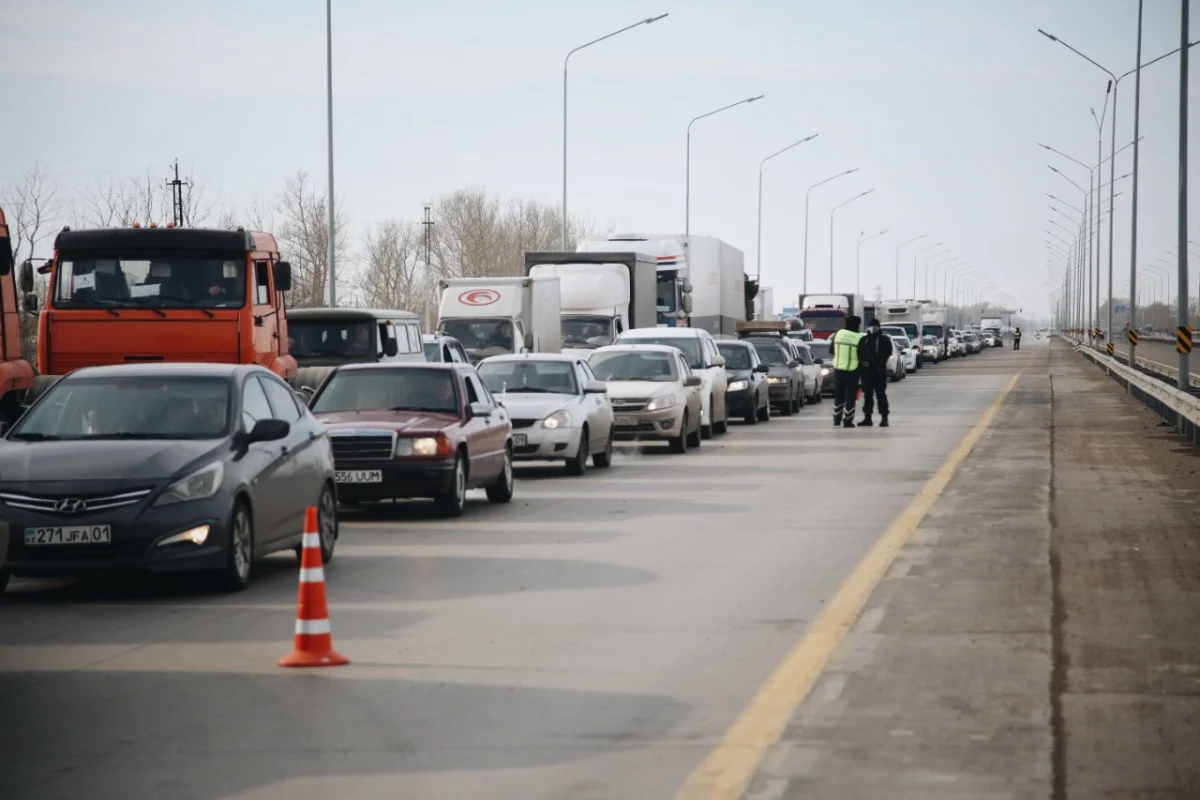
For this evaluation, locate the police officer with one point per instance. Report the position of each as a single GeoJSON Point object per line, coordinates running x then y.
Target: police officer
{"type": "Point", "coordinates": [847, 344]}
{"type": "Point", "coordinates": [1017, 339]}
{"type": "Point", "coordinates": [877, 349]}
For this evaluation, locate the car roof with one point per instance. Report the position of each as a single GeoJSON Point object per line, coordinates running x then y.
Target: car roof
{"type": "Point", "coordinates": [565, 359]}
{"type": "Point", "coordinates": [734, 342]}
{"type": "Point", "coordinates": [447, 366]}
{"type": "Point", "coordinates": [173, 369]}
{"type": "Point", "coordinates": [350, 313]}
{"type": "Point", "coordinates": [666, 333]}
{"type": "Point", "coordinates": [636, 348]}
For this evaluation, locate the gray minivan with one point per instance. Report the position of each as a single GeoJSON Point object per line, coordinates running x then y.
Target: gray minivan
{"type": "Point", "coordinates": [322, 338]}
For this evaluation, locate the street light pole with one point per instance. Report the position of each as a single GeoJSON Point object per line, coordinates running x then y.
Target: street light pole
{"type": "Point", "coordinates": [902, 244]}
{"type": "Point", "coordinates": [937, 264]}
{"type": "Point", "coordinates": [928, 258]}
{"type": "Point", "coordinates": [1137, 121]}
{"type": "Point", "coordinates": [687, 191]}
{"type": "Point", "coordinates": [1181, 315]}
{"type": "Point", "coordinates": [806, 196]}
{"type": "Point", "coordinates": [915, 254]}
{"type": "Point", "coordinates": [831, 213]}
{"type": "Point", "coordinates": [329, 122]}
{"type": "Point", "coordinates": [858, 258]}
{"type": "Point", "coordinates": [646, 21]}
{"type": "Point", "coordinates": [758, 247]}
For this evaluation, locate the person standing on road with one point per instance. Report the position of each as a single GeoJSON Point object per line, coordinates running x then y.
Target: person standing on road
{"type": "Point", "coordinates": [877, 349]}
{"type": "Point", "coordinates": [847, 345]}
{"type": "Point", "coordinates": [1017, 339]}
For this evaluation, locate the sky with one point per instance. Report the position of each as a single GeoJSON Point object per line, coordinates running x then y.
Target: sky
{"type": "Point", "coordinates": [938, 104]}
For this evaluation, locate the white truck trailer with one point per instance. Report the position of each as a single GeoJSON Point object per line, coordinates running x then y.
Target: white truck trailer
{"type": "Point", "coordinates": [491, 316]}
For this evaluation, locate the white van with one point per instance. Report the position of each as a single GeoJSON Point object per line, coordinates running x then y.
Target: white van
{"type": "Point", "coordinates": [700, 350]}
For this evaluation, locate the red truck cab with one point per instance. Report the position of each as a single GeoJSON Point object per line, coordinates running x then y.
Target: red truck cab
{"type": "Point", "coordinates": [16, 374]}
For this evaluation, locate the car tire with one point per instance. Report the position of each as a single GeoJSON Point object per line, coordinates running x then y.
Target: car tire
{"type": "Point", "coordinates": [694, 439]}
{"type": "Point", "coordinates": [603, 459]}
{"type": "Point", "coordinates": [239, 558]}
{"type": "Point", "coordinates": [723, 425]}
{"type": "Point", "coordinates": [578, 464]}
{"type": "Point", "coordinates": [800, 399]}
{"type": "Point", "coordinates": [764, 413]}
{"type": "Point", "coordinates": [501, 491]}
{"type": "Point", "coordinates": [679, 443]}
{"type": "Point", "coordinates": [327, 523]}
{"type": "Point", "coordinates": [785, 410]}
{"type": "Point", "coordinates": [451, 503]}
{"type": "Point", "coordinates": [752, 417]}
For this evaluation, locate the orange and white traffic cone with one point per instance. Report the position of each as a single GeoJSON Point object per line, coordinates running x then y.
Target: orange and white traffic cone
{"type": "Point", "coordinates": [314, 641]}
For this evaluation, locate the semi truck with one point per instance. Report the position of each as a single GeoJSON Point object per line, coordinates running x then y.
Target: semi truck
{"type": "Point", "coordinates": [906, 314]}
{"type": "Point", "coordinates": [492, 316]}
{"type": "Point", "coordinates": [16, 373]}
{"type": "Point", "coordinates": [825, 314]}
{"type": "Point", "coordinates": [702, 285]}
{"type": "Point", "coordinates": [601, 295]}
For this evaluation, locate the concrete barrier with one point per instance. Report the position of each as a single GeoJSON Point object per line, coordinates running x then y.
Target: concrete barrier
{"type": "Point", "coordinates": [1180, 409]}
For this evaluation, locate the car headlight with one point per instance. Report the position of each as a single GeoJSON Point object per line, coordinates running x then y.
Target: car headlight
{"type": "Point", "coordinates": [559, 419]}
{"type": "Point", "coordinates": [824, 370]}
{"type": "Point", "coordinates": [419, 446]}
{"type": "Point", "coordinates": [659, 403]}
{"type": "Point", "coordinates": [776, 380]}
{"type": "Point", "coordinates": [200, 485]}
{"type": "Point", "coordinates": [738, 386]}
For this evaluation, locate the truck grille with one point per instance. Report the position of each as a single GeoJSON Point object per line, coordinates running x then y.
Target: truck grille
{"type": "Point", "coordinates": [357, 445]}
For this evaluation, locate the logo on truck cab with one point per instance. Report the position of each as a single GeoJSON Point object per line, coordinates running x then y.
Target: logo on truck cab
{"type": "Point", "coordinates": [479, 297]}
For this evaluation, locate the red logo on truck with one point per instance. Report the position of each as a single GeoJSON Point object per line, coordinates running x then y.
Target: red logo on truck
{"type": "Point", "coordinates": [479, 297]}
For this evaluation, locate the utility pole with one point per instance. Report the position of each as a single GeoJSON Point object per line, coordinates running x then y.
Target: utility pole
{"type": "Point", "coordinates": [427, 224]}
{"type": "Point", "coordinates": [177, 197]}
{"type": "Point", "coordinates": [1183, 334]}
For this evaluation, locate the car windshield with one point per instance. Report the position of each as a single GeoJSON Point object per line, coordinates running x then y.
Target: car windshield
{"type": "Point", "coordinates": [586, 331]}
{"type": "Point", "coordinates": [481, 337]}
{"type": "Point", "coordinates": [772, 354]}
{"type": "Point", "coordinates": [634, 366]}
{"type": "Point", "coordinates": [901, 342]}
{"type": "Point", "coordinates": [737, 356]}
{"type": "Point", "coordinates": [824, 323]}
{"type": "Point", "coordinates": [529, 376]}
{"type": "Point", "coordinates": [432, 351]}
{"type": "Point", "coordinates": [688, 345]}
{"type": "Point", "coordinates": [350, 340]}
{"type": "Point", "coordinates": [820, 350]}
{"type": "Point", "coordinates": [129, 407]}
{"type": "Point", "coordinates": [393, 389]}
{"type": "Point", "coordinates": [150, 280]}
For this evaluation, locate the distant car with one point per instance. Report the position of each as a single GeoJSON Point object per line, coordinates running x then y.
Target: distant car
{"type": "Point", "coordinates": [785, 379]}
{"type": "Point", "coordinates": [989, 340]}
{"type": "Point", "coordinates": [440, 348]}
{"type": "Point", "coordinates": [933, 349]}
{"type": "Point", "coordinates": [165, 467]}
{"type": "Point", "coordinates": [748, 394]}
{"type": "Point", "coordinates": [415, 430]}
{"type": "Point", "coordinates": [803, 335]}
{"type": "Point", "coordinates": [955, 346]}
{"type": "Point", "coordinates": [813, 379]}
{"type": "Point", "coordinates": [700, 350]}
{"type": "Point", "coordinates": [907, 352]}
{"type": "Point", "coordinates": [972, 342]}
{"type": "Point", "coordinates": [654, 393]}
{"type": "Point", "coordinates": [559, 411]}
{"type": "Point", "coordinates": [822, 353]}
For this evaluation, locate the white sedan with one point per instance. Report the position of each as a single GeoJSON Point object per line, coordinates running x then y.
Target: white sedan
{"type": "Point", "coordinates": [910, 354]}
{"type": "Point", "coordinates": [559, 411]}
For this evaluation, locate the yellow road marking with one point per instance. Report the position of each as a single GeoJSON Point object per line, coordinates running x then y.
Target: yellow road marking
{"type": "Point", "coordinates": [729, 768]}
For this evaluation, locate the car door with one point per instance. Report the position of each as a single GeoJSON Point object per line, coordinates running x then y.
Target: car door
{"type": "Point", "coordinates": [270, 467]}
{"type": "Point", "coordinates": [485, 439]}
{"type": "Point", "coordinates": [597, 407]}
{"type": "Point", "coordinates": [303, 444]}
{"type": "Point", "coordinates": [720, 382]}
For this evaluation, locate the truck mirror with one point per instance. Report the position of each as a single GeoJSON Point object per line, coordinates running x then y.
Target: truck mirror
{"type": "Point", "coordinates": [529, 342]}
{"type": "Point", "coordinates": [687, 304]}
{"type": "Point", "coordinates": [390, 348]}
{"type": "Point", "coordinates": [31, 302]}
{"type": "Point", "coordinates": [283, 276]}
{"type": "Point", "coordinates": [687, 287]}
{"type": "Point", "coordinates": [26, 276]}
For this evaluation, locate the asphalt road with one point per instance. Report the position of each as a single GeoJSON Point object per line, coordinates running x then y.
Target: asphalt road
{"type": "Point", "coordinates": [594, 639]}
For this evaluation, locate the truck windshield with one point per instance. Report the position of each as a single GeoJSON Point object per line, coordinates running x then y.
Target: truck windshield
{"type": "Point", "coordinates": [933, 330]}
{"type": "Point", "coordinates": [824, 322]}
{"type": "Point", "coordinates": [481, 337]}
{"type": "Point", "coordinates": [581, 331]}
{"type": "Point", "coordinates": [666, 293]}
{"type": "Point", "coordinates": [151, 280]}
{"type": "Point", "coordinates": [332, 340]}
{"type": "Point", "coordinates": [909, 328]}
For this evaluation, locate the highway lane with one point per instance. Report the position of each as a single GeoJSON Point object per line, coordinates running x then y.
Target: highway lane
{"type": "Point", "coordinates": [593, 639]}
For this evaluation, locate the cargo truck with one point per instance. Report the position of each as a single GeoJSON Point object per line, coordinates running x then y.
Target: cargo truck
{"type": "Point", "coordinates": [601, 295]}
{"type": "Point", "coordinates": [825, 314]}
{"type": "Point", "coordinates": [494, 316]}
{"type": "Point", "coordinates": [16, 374]}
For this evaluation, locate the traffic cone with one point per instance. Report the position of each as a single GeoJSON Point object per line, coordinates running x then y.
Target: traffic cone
{"type": "Point", "coordinates": [314, 641]}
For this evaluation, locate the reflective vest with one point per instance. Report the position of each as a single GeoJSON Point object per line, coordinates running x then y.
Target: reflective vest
{"type": "Point", "coordinates": [845, 350]}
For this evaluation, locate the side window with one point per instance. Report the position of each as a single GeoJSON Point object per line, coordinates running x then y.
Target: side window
{"type": "Point", "coordinates": [619, 327]}
{"type": "Point", "coordinates": [462, 354]}
{"type": "Point", "coordinates": [282, 400]}
{"type": "Point", "coordinates": [384, 335]}
{"type": "Point", "coordinates": [448, 353]}
{"type": "Point", "coordinates": [588, 375]}
{"type": "Point", "coordinates": [262, 286]}
{"type": "Point", "coordinates": [477, 392]}
{"type": "Point", "coordinates": [414, 338]}
{"type": "Point", "coordinates": [254, 403]}
{"type": "Point", "coordinates": [472, 395]}
{"type": "Point", "coordinates": [684, 369]}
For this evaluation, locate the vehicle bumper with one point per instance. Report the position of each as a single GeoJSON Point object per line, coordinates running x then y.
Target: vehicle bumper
{"type": "Point", "coordinates": [740, 403]}
{"type": "Point", "coordinates": [542, 444]}
{"type": "Point", "coordinates": [648, 425]}
{"type": "Point", "coordinates": [780, 393]}
{"type": "Point", "coordinates": [401, 479]}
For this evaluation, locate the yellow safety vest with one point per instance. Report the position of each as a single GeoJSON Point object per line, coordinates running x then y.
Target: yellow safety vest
{"type": "Point", "coordinates": [845, 349]}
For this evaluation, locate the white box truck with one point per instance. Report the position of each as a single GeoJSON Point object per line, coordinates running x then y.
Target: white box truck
{"type": "Point", "coordinates": [601, 294]}
{"type": "Point", "coordinates": [491, 316]}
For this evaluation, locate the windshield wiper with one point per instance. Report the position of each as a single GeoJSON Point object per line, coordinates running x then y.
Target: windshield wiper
{"type": "Point", "coordinates": [127, 435]}
{"type": "Point", "coordinates": [107, 305]}
{"type": "Point", "coordinates": [530, 389]}
{"type": "Point", "coordinates": [137, 301]}
{"type": "Point", "coordinates": [423, 408]}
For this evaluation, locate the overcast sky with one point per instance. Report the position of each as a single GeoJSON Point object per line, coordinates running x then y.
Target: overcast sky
{"type": "Point", "coordinates": [940, 105]}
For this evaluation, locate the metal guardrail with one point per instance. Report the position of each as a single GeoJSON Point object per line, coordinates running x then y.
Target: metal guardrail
{"type": "Point", "coordinates": [1179, 409]}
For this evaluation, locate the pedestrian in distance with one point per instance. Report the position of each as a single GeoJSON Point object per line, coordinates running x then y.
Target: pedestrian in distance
{"type": "Point", "coordinates": [1017, 339]}
{"type": "Point", "coordinates": [847, 347]}
{"type": "Point", "coordinates": [876, 349]}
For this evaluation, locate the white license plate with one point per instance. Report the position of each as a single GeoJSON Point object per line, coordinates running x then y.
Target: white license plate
{"type": "Point", "coordinates": [69, 534]}
{"type": "Point", "coordinates": [519, 440]}
{"type": "Point", "coordinates": [625, 420]}
{"type": "Point", "coordinates": [358, 476]}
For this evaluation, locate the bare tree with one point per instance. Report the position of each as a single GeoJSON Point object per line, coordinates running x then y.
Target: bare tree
{"type": "Point", "coordinates": [31, 206]}
{"type": "Point", "coordinates": [391, 272]}
{"type": "Point", "coordinates": [303, 233]}
{"type": "Point", "coordinates": [146, 199]}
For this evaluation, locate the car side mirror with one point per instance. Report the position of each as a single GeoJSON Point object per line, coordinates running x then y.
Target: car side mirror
{"type": "Point", "coordinates": [793, 363]}
{"type": "Point", "coordinates": [479, 410]}
{"type": "Point", "coordinates": [268, 430]}
{"type": "Point", "coordinates": [390, 348]}
{"type": "Point", "coordinates": [26, 276]}
{"type": "Point", "coordinates": [718, 361]}
{"type": "Point", "coordinates": [763, 368]}
{"type": "Point", "coordinates": [283, 276]}
{"type": "Point", "coordinates": [692, 380]}
{"type": "Point", "coordinates": [31, 302]}
{"type": "Point", "coordinates": [596, 387]}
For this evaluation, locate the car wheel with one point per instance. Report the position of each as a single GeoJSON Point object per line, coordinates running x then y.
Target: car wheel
{"type": "Point", "coordinates": [764, 413]}
{"type": "Point", "coordinates": [603, 459]}
{"type": "Point", "coordinates": [754, 414]}
{"type": "Point", "coordinates": [800, 399]}
{"type": "Point", "coordinates": [694, 439]}
{"type": "Point", "coordinates": [502, 490]}
{"type": "Point", "coordinates": [451, 502]}
{"type": "Point", "coordinates": [239, 559]}
{"type": "Point", "coordinates": [679, 443]}
{"type": "Point", "coordinates": [578, 464]}
{"type": "Point", "coordinates": [785, 408]}
{"type": "Point", "coordinates": [723, 425]}
{"type": "Point", "coordinates": [327, 525]}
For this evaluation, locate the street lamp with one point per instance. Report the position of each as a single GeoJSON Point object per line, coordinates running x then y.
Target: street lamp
{"type": "Point", "coordinates": [806, 195]}
{"type": "Point", "coordinates": [858, 257]}
{"type": "Point", "coordinates": [329, 122]}
{"type": "Point", "coordinates": [928, 258]}
{"type": "Point", "coordinates": [902, 244]}
{"type": "Point", "coordinates": [831, 213]}
{"type": "Point", "coordinates": [915, 254]}
{"type": "Point", "coordinates": [949, 259]}
{"type": "Point", "coordinates": [758, 249]}
{"type": "Point", "coordinates": [646, 21]}
{"type": "Point", "coordinates": [687, 193]}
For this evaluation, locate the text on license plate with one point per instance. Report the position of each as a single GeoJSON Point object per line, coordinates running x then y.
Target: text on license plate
{"type": "Point", "coordinates": [358, 476]}
{"type": "Point", "coordinates": [519, 440]}
{"type": "Point", "coordinates": [69, 534]}
{"type": "Point", "coordinates": [625, 420]}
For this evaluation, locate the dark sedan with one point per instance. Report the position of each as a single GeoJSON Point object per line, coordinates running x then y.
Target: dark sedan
{"type": "Point", "coordinates": [416, 430]}
{"type": "Point", "coordinates": [748, 394]}
{"type": "Point", "coordinates": [163, 467]}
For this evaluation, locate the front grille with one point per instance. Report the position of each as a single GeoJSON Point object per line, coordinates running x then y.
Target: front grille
{"type": "Point", "coordinates": [47, 505]}
{"type": "Point", "coordinates": [524, 423]}
{"type": "Point", "coordinates": [362, 446]}
{"type": "Point", "coordinates": [625, 405]}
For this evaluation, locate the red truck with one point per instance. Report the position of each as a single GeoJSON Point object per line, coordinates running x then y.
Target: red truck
{"type": "Point", "coordinates": [16, 374]}
{"type": "Point", "coordinates": [825, 314]}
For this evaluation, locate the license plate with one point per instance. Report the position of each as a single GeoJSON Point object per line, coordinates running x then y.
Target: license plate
{"type": "Point", "coordinates": [625, 420]}
{"type": "Point", "coordinates": [519, 440]}
{"type": "Point", "coordinates": [69, 534]}
{"type": "Point", "coordinates": [358, 476]}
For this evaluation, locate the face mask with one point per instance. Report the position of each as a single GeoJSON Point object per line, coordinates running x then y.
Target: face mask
{"type": "Point", "coordinates": [873, 329]}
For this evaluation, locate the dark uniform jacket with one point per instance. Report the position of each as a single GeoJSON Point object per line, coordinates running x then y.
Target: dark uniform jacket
{"type": "Point", "coordinates": [874, 352]}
